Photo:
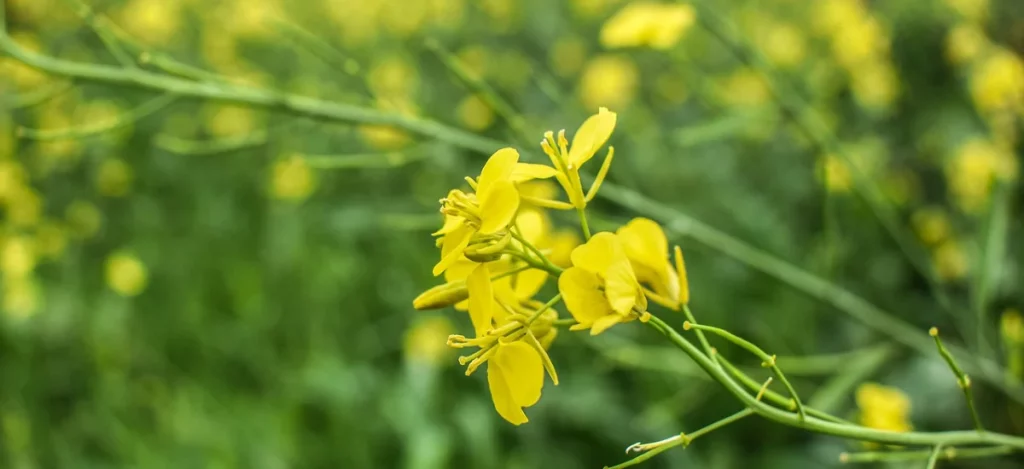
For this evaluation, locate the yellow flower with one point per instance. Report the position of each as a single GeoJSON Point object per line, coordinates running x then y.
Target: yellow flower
{"type": "Point", "coordinates": [515, 377]}
{"type": "Point", "coordinates": [656, 25]}
{"type": "Point", "coordinates": [600, 289]}
{"type": "Point", "coordinates": [114, 178]}
{"type": "Point", "coordinates": [975, 166]}
{"type": "Point", "coordinates": [474, 113]}
{"type": "Point", "coordinates": [489, 209]}
{"type": "Point", "coordinates": [647, 249]}
{"type": "Point", "coordinates": [566, 56]}
{"type": "Point", "coordinates": [1011, 325]}
{"type": "Point", "coordinates": [883, 408]}
{"type": "Point", "coordinates": [975, 10]}
{"type": "Point", "coordinates": [292, 179]}
{"type": "Point", "coordinates": [745, 88]}
{"type": "Point", "coordinates": [424, 342]}
{"type": "Point", "coordinates": [875, 85]}
{"type": "Point", "coordinates": [21, 297]}
{"type": "Point", "coordinates": [84, 219]}
{"type": "Point", "coordinates": [964, 43]}
{"type": "Point", "coordinates": [950, 260]}
{"type": "Point", "coordinates": [931, 224]}
{"type": "Point", "coordinates": [589, 138]}
{"type": "Point", "coordinates": [126, 274]}
{"type": "Point", "coordinates": [784, 44]}
{"type": "Point", "coordinates": [608, 80]}
{"type": "Point", "coordinates": [18, 257]}
{"type": "Point", "coordinates": [997, 83]}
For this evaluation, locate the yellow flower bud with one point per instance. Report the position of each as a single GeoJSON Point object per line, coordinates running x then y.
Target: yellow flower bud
{"type": "Point", "coordinates": [441, 296]}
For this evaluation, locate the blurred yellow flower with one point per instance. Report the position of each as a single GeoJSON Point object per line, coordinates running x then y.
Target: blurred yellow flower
{"type": "Point", "coordinates": [950, 260]}
{"type": "Point", "coordinates": [155, 22]}
{"type": "Point", "coordinates": [51, 239]}
{"type": "Point", "coordinates": [875, 85]}
{"type": "Point", "coordinates": [114, 178]}
{"type": "Point", "coordinates": [964, 43]}
{"type": "Point", "coordinates": [610, 81]}
{"type": "Point", "coordinates": [744, 88]}
{"type": "Point", "coordinates": [425, 340]}
{"type": "Point", "coordinates": [1011, 325]}
{"type": "Point", "coordinates": [973, 169]}
{"type": "Point", "coordinates": [835, 174]}
{"type": "Point", "coordinates": [600, 289]}
{"type": "Point", "coordinates": [12, 178]}
{"type": "Point", "coordinates": [474, 113]}
{"type": "Point", "coordinates": [828, 16]}
{"type": "Point", "coordinates": [229, 120]}
{"type": "Point", "coordinates": [857, 42]}
{"type": "Point", "coordinates": [126, 274]}
{"type": "Point", "coordinates": [883, 408]}
{"type": "Point", "coordinates": [392, 77]}
{"type": "Point", "coordinates": [783, 44]}
{"type": "Point", "coordinates": [83, 218]}
{"type": "Point", "coordinates": [655, 25]}
{"type": "Point", "coordinates": [357, 22]}
{"type": "Point", "coordinates": [22, 76]}
{"type": "Point", "coordinates": [18, 257]}
{"type": "Point", "coordinates": [24, 207]}
{"type": "Point", "coordinates": [931, 224]}
{"type": "Point", "coordinates": [997, 82]}
{"type": "Point", "coordinates": [567, 55]}
{"type": "Point", "coordinates": [22, 298]}
{"type": "Point", "coordinates": [292, 179]}
{"type": "Point", "coordinates": [973, 10]}
{"type": "Point", "coordinates": [385, 137]}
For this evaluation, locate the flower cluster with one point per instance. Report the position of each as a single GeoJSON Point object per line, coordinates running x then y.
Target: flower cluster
{"type": "Point", "coordinates": [499, 250]}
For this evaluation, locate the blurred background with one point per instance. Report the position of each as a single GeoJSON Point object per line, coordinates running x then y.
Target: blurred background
{"type": "Point", "coordinates": [201, 284]}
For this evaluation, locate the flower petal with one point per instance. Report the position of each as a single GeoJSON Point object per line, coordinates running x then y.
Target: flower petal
{"type": "Point", "coordinates": [498, 206]}
{"type": "Point", "coordinates": [529, 282]}
{"type": "Point", "coordinates": [604, 323]}
{"type": "Point", "coordinates": [591, 136]}
{"type": "Point", "coordinates": [499, 167]}
{"type": "Point", "coordinates": [452, 247]}
{"type": "Point", "coordinates": [515, 376]}
{"type": "Point", "coordinates": [527, 171]}
{"type": "Point", "coordinates": [581, 292]}
{"type": "Point", "coordinates": [598, 254]}
{"type": "Point", "coordinates": [647, 248]}
{"type": "Point", "coordinates": [620, 288]}
{"type": "Point", "coordinates": [481, 299]}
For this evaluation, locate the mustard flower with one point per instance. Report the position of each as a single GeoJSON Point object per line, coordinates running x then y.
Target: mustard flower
{"type": "Point", "coordinates": [656, 25]}
{"type": "Point", "coordinates": [883, 408]}
{"type": "Point", "coordinates": [600, 289]}
{"type": "Point", "coordinates": [489, 209]}
{"type": "Point", "coordinates": [646, 247]}
{"type": "Point", "coordinates": [568, 159]}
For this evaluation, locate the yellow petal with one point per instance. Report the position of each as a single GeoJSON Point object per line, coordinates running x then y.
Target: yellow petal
{"type": "Point", "coordinates": [620, 287]}
{"type": "Point", "coordinates": [498, 206]}
{"type": "Point", "coordinates": [684, 283]}
{"type": "Point", "coordinates": [515, 376]}
{"type": "Point", "coordinates": [647, 248]}
{"type": "Point", "coordinates": [459, 269]}
{"type": "Point", "coordinates": [499, 167]}
{"type": "Point", "coordinates": [452, 248]}
{"type": "Point", "coordinates": [481, 299]}
{"type": "Point", "coordinates": [527, 171]}
{"type": "Point", "coordinates": [451, 222]}
{"type": "Point", "coordinates": [591, 136]}
{"type": "Point", "coordinates": [602, 324]}
{"type": "Point", "coordinates": [598, 254]}
{"type": "Point", "coordinates": [533, 224]}
{"type": "Point", "coordinates": [581, 292]}
{"type": "Point", "coordinates": [529, 282]}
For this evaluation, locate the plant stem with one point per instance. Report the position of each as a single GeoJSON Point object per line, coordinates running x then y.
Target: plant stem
{"type": "Point", "coordinates": [946, 454]}
{"type": "Point", "coordinates": [769, 360]}
{"type": "Point", "coordinates": [700, 334]}
{"type": "Point", "coordinates": [817, 425]}
{"type": "Point", "coordinates": [934, 457]}
{"type": "Point", "coordinates": [542, 309]}
{"type": "Point", "coordinates": [583, 222]}
{"type": "Point", "coordinates": [677, 440]}
{"type": "Point", "coordinates": [962, 379]}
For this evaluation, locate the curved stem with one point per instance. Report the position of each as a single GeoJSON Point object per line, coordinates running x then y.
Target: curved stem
{"type": "Point", "coordinates": [768, 360]}
{"type": "Point", "coordinates": [817, 425]}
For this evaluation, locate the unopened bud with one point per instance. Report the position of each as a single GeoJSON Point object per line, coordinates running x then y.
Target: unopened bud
{"type": "Point", "coordinates": [489, 250]}
{"type": "Point", "coordinates": [441, 296]}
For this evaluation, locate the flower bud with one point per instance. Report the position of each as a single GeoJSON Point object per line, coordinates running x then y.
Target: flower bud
{"type": "Point", "coordinates": [441, 296]}
{"type": "Point", "coordinates": [487, 249]}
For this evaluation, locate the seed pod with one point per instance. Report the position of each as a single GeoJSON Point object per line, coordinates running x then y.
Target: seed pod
{"type": "Point", "coordinates": [441, 296]}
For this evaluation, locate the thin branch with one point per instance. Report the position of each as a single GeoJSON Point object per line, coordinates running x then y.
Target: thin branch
{"type": "Point", "coordinates": [962, 379]}
{"type": "Point", "coordinates": [948, 453]}
{"type": "Point", "coordinates": [124, 120]}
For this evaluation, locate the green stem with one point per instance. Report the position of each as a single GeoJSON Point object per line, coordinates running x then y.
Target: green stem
{"type": "Point", "coordinates": [813, 424]}
{"type": "Point", "coordinates": [545, 263]}
{"type": "Point", "coordinates": [542, 309]}
{"type": "Point", "coordinates": [768, 360]}
{"type": "Point", "coordinates": [934, 457]}
{"type": "Point", "coordinates": [962, 379]}
{"type": "Point", "coordinates": [772, 396]}
{"type": "Point", "coordinates": [124, 120]}
{"type": "Point", "coordinates": [583, 222]}
{"type": "Point", "coordinates": [700, 334]}
{"type": "Point", "coordinates": [677, 440]}
{"type": "Point", "coordinates": [946, 454]}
